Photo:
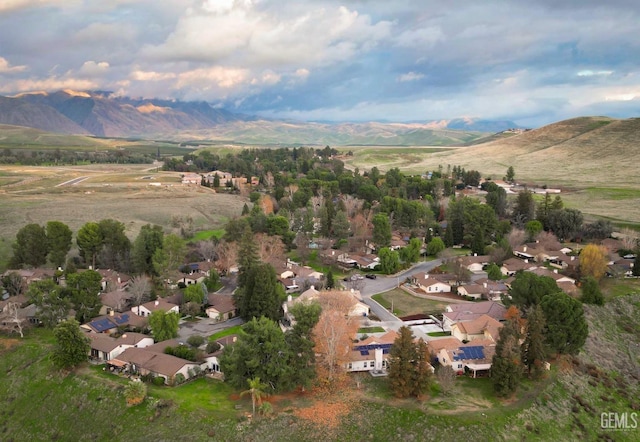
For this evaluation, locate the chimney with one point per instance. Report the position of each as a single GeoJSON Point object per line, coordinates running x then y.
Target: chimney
{"type": "Point", "coordinates": [526, 261]}
{"type": "Point", "coordinates": [111, 313]}
{"type": "Point", "coordinates": [119, 280]}
{"type": "Point", "coordinates": [289, 298]}
{"type": "Point", "coordinates": [124, 336]}
{"type": "Point", "coordinates": [484, 284]}
{"type": "Point", "coordinates": [157, 303]}
{"type": "Point", "coordinates": [312, 287]}
{"type": "Point", "coordinates": [524, 248]}
{"type": "Point", "coordinates": [555, 271]}
{"type": "Point", "coordinates": [572, 257]}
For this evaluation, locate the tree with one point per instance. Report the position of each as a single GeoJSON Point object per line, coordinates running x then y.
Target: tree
{"type": "Point", "coordinates": [381, 230]}
{"type": "Point", "coordinates": [31, 246]}
{"type": "Point", "coordinates": [566, 328]}
{"type": "Point", "coordinates": [135, 392]}
{"type": "Point", "coordinates": [389, 260]}
{"type": "Point", "coordinates": [260, 351]}
{"type": "Point", "coordinates": [497, 199]}
{"type": "Point", "coordinates": [529, 289]}
{"type": "Point", "coordinates": [565, 223]}
{"type": "Point", "coordinates": [83, 290]}
{"type": "Point", "coordinates": [533, 228]}
{"type": "Point", "coordinates": [340, 225]}
{"type": "Point", "coordinates": [598, 230]}
{"type": "Point", "coordinates": [493, 272]}
{"type": "Point", "coordinates": [636, 265]}
{"type": "Point", "coordinates": [331, 280]}
{"type": "Point", "coordinates": [411, 252]}
{"type": "Point", "coordinates": [13, 283]}
{"type": "Point", "coordinates": [140, 289]}
{"type": "Point", "coordinates": [446, 376]}
{"type": "Point", "coordinates": [71, 345]}
{"type": "Point", "coordinates": [591, 293]}
{"type": "Point", "coordinates": [11, 320]}
{"type": "Point", "coordinates": [524, 209]}
{"type": "Point", "coordinates": [477, 243]}
{"type": "Point", "coordinates": [332, 336]}
{"type": "Point", "coordinates": [593, 261]}
{"type": "Point", "coordinates": [145, 245]}
{"type": "Point", "coordinates": [52, 306]}
{"type": "Point", "coordinates": [260, 294]}
{"type": "Point", "coordinates": [533, 347]}
{"type": "Point", "coordinates": [195, 293]}
{"type": "Point", "coordinates": [257, 392]}
{"type": "Point", "coordinates": [409, 371]}
{"type": "Point", "coordinates": [300, 341]}
{"type": "Point", "coordinates": [511, 174]}
{"type": "Point", "coordinates": [116, 246]}
{"type": "Point", "coordinates": [89, 242]}
{"type": "Point", "coordinates": [164, 325]}
{"type": "Point", "coordinates": [170, 256]}
{"type": "Point", "coordinates": [506, 366]}
{"type": "Point", "coordinates": [59, 238]}
{"type": "Point", "coordinates": [435, 246]}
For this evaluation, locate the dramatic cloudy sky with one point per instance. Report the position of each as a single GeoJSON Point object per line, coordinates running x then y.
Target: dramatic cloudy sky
{"type": "Point", "coordinates": [530, 61]}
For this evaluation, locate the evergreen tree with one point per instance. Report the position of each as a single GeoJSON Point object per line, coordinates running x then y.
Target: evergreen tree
{"type": "Point", "coordinates": [59, 238]}
{"type": "Point", "coordinates": [566, 328]}
{"type": "Point", "coordinates": [147, 242]}
{"type": "Point", "coordinates": [301, 344]}
{"type": "Point", "coordinates": [402, 359]}
{"type": "Point", "coordinates": [31, 246]}
{"type": "Point", "coordinates": [529, 289]}
{"type": "Point", "coordinates": [89, 242]}
{"type": "Point", "coordinates": [493, 272]}
{"type": "Point", "coordinates": [381, 230]}
{"type": "Point", "coordinates": [477, 244]}
{"type": "Point", "coordinates": [247, 256]}
{"type": "Point", "coordinates": [260, 294]}
{"type": "Point", "coordinates": [591, 293]}
{"type": "Point", "coordinates": [533, 348]}
{"type": "Point", "coordinates": [506, 367]}
{"type": "Point", "coordinates": [636, 264]}
{"type": "Point", "coordinates": [448, 237]}
{"type": "Point", "coordinates": [331, 281]}
{"type": "Point", "coordinates": [409, 369]}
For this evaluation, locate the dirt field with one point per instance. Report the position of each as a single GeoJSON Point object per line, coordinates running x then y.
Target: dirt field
{"type": "Point", "coordinates": [133, 194]}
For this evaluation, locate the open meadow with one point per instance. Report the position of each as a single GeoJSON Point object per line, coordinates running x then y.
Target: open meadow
{"type": "Point", "coordinates": [133, 194]}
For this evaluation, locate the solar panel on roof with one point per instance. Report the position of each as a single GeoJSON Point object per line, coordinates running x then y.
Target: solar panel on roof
{"type": "Point", "coordinates": [475, 352]}
{"type": "Point", "coordinates": [102, 324]}
{"type": "Point", "coordinates": [122, 319]}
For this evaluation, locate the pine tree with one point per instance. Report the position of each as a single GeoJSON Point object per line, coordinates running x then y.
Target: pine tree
{"type": "Point", "coordinates": [506, 366]}
{"type": "Point", "coordinates": [591, 293]}
{"type": "Point", "coordinates": [402, 359]}
{"type": "Point", "coordinates": [331, 281]}
{"type": "Point", "coordinates": [423, 374]}
{"type": "Point", "coordinates": [533, 348]}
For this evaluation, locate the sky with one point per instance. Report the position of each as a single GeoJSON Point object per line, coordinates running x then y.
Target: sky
{"type": "Point", "coordinates": [529, 61]}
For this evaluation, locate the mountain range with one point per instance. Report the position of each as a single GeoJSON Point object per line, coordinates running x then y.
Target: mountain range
{"type": "Point", "coordinates": [103, 114]}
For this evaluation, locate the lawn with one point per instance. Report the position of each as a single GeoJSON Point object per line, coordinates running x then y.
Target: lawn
{"type": "Point", "coordinates": [405, 304]}
{"type": "Point", "coordinates": [237, 329]}
{"type": "Point", "coordinates": [207, 234]}
{"type": "Point", "coordinates": [614, 287]}
{"type": "Point", "coordinates": [371, 330]}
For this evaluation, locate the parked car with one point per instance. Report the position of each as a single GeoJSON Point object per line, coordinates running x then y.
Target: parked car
{"type": "Point", "coordinates": [370, 276]}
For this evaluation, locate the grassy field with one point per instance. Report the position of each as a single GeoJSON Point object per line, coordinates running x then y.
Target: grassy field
{"type": "Point", "coordinates": [404, 304]}
{"type": "Point", "coordinates": [39, 403]}
{"type": "Point", "coordinates": [123, 192]}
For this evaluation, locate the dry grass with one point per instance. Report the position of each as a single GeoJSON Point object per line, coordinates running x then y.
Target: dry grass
{"type": "Point", "coordinates": [110, 192]}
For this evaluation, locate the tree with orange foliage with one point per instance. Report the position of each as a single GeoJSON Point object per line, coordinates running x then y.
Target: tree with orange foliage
{"type": "Point", "coordinates": [593, 261]}
{"type": "Point", "coordinates": [269, 247]}
{"type": "Point", "coordinates": [227, 253]}
{"type": "Point", "coordinates": [333, 335]}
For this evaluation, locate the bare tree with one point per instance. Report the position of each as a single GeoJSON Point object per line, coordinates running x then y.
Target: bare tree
{"type": "Point", "coordinates": [333, 334]}
{"type": "Point", "coordinates": [207, 250]}
{"type": "Point", "coordinates": [10, 319]}
{"type": "Point", "coordinates": [227, 255]}
{"type": "Point", "coordinates": [14, 284]}
{"type": "Point", "coordinates": [140, 288]}
{"type": "Point", "coordinates": [269, 247]}
{"type": "Point", "coordinates": [516, 238]}
{"type": "Point", "coordinates": [446, 378]}
{"type": "Point", "coordinates": [302, 247]}
{"type": "Point", "coordinates": [548, 241]}
{"type": "Point", "coordinates": [629, 239]}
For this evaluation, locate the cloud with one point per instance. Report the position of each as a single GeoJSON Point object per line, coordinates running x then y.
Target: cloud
{"type": "Point", "coordinates": [6, 68]}
{"type": "Point", "coordinates": [410, 76]}
{"type": "Point", "coordinates": [18, 5]}
{"type": "Point", "coordinates": [94, 69]}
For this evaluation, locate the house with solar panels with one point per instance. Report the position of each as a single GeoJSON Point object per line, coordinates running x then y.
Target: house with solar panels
{"type": "Point", "coordinates": [111, 322]}
{"type": "Point", "coordinates": [372, 354]}
{"type": "Point", "coordinates": [473, 357]}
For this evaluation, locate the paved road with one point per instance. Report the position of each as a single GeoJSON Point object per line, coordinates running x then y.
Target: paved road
{"type": "Point", "coordinates": [385, 283]}
{"type": "Point", "coordinates": [206, 327]}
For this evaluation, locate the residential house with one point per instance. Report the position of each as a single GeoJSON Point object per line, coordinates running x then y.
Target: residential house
{"type": "Point", "coordinates": [191, 179]}
{"type": "Point", "coordinates": [484, 327]}
{"type": "Point", "coordinates": [113, 321]}
{"type": "Point", "coordinates": [159, 304]}
{"type": "Point", "coordinates": [557, 277]}
{"type": "Point", "coordinates": [117, 300]}
{"type": "Point", "coordinates": [353, 299]}
{"type": "Point", "coordinates": [512, 265]}
{"type": "Point", "coordinates": [475, 263]}
{"type": "Point", "coordinates": [475, 291]}
{"type": "Point", "coordinates": [430, 283]}
{"type": "Point", "coordinates": [113, 280]}
{"type": "Point", "coordinates": [475, 356]}
{"type": "Point", "coordinates": [372, 354]}
{"type": "Point", "coordinates": [470, 311]}
{"type": "Point", "coordinates": [105, 347]}
{"type": "Point", "coordinates": [221, 307]}
{"type": "Point", "coordinates": [150, 362]}
{"type": "Point", "coordinates": [496, 288]}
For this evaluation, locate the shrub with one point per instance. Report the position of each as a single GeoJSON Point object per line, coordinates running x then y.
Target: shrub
{"type": "Point", "coordinates": [195, 341]}
{"type": "Point", "coordinates": [135, 392]}
{"type": "Point", "coordinates": [158, 381]}
{"type": "Point", "coordinates": [213, 347]}
{"type": "Point", "coordinates": [179, 379]}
